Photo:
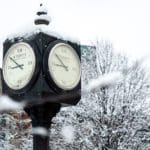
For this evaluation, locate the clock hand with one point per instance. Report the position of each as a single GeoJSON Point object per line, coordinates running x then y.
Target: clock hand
{"type": "Point", "coordinates": [62, 62]}
{"type": "Point", "coordinates": [16, 63]}
{"type": "Point", "coordinates": [61, 66]}
{"type": "Point", "coordinates": [18, 66]}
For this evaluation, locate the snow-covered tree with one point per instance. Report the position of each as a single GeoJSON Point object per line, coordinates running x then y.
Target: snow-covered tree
{"type": "Point", "coordinates": [122, 107]}
{"type": "Point", "coordinates": [113, 117]}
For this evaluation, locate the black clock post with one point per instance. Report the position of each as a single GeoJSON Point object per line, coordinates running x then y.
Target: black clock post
{"type": "Point", "coordinates": [46, 88]}
{"type": "Point", "coordinates": [42, 116]}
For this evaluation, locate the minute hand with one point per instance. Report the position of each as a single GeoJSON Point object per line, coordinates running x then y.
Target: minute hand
{"type": "Point", "coordinates": [16, 63]}
{"type": "Point", "coordinates": [62, 62]}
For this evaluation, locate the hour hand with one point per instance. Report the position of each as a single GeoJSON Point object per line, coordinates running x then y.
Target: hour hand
{"type": "Point", "coordinates": [61, 66]}
{"type": "Point", "coordinates": [18, 66]}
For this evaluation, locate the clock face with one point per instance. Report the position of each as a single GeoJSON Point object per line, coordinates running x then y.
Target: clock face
{"type": "Point", "coordinates": [19, 65]}
{"type": "Point", "coordinates": [64, 66]}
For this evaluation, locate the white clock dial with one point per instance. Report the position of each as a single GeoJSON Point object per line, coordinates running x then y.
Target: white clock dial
{"type": "Point", "coordinates": [19, 65]}
{"type": "Point", "coordinates": [64, 66]}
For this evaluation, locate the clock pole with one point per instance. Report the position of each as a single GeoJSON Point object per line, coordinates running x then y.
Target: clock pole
{"type": "Point", "coordinates": [42, 115]}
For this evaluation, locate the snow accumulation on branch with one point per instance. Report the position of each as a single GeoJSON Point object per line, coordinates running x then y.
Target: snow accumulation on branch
{"type": "Point", "coordinates": [68, 133]}
{"type": "Point", "coordinates": [102, 81]}
{"type": "Point", "coordinates": [111, 78]}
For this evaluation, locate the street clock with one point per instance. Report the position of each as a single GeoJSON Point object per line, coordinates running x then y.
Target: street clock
{"type": "Point", "coordinates": [40, 66]}
{"type": "Point", "coordinates": [62, 66]}
{"type": "Point", "coordinates": [44, 71]}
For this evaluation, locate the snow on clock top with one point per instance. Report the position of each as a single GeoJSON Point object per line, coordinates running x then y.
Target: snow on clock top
{"type": "Point", "coordinates": [41, 24]}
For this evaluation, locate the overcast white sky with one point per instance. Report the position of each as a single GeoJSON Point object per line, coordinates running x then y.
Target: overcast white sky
{"type": "Point", "coordinates": [126, 23]}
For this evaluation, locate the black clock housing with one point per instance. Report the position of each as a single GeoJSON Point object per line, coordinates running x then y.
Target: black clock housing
{"type": "Point", "coordinates": [41, 86]}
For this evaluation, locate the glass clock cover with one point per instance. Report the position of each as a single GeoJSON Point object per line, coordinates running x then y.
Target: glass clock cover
{"type": "Point", "coordinates": [19, 65]}
{"type": "Point", "coordinates": [64, 66]}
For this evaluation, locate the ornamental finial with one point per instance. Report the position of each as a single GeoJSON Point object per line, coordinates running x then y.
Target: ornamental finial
{"type": "Point", "coordinates": [42, 16]}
